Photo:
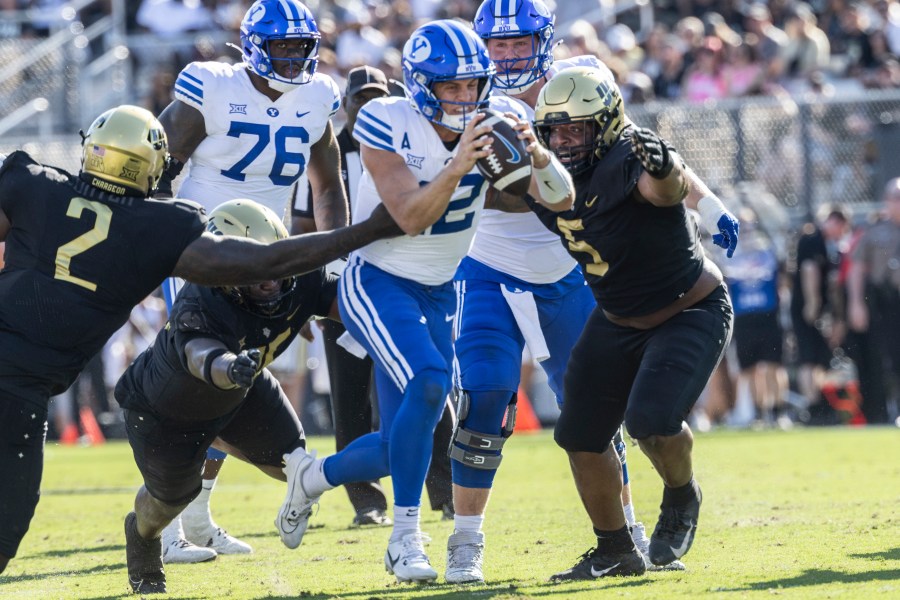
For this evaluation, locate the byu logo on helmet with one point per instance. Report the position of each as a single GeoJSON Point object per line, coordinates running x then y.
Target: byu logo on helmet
{"type": "Point", "coordinates": [443, 51]}
{"type": "Point", "coordinates": [256, 14]}
{"type": "Point", "coordinates": [420, 49]}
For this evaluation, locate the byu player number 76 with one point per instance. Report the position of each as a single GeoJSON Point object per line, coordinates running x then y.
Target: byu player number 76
{"type": "Point", "coordinates": [250, 131]}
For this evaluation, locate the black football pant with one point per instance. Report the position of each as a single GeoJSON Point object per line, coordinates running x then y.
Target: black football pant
{"type": "Point", "coordinates": [23, 430]}
{"type": "Point", "coordinates": [352, 392]}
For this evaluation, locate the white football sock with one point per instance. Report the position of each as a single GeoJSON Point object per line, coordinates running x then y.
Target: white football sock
{"type": "Point", "coordinates": [629, 514]}
{"type": "Point", "coordinates": [469, 523]}
{"type": "Point", "coordinates": [198, 509]}
{"type": "Point", "coordinates": [406, 521]}
{"type": "Point", "coordinates": [314, 481]}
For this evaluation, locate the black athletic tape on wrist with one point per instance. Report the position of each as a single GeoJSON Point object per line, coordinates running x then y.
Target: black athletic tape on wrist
{"type": "Point", "coordinates": [207, 364]}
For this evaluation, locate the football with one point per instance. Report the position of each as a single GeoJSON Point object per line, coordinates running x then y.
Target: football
{"type": "Point", "coordinates": [508, 167]}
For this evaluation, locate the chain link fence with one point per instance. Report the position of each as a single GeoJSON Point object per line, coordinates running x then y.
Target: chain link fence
{"type": "Point", "coordinates": [805, 152]}
{"type": "Point", "coordinates": [798, 154]}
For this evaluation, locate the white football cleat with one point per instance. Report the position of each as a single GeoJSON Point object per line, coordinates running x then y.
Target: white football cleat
{"type": "Point", "coordinates": [465, 554]}
{"type": "Point", "coordinates": [210, 535]}
{"type": "Point", "coordinates": [176, 549]}
{"type": "Point", "coordinates": [293, 517]}
{"type": "Point", "coordinates": [642, 542]}
{"type": "Point", "coordinates": [406, 559]}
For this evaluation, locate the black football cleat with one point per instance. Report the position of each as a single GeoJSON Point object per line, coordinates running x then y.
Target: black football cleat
{"type": "Point", "coordinates": [674, 533]}
{"type": "Point", "coordinates": [144, 559]}
{"type": "Point", "coordinates": [592, 565]}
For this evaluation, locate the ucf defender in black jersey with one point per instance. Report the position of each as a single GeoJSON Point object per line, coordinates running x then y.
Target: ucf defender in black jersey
{"type": "Point", "coordinates": [663, 318]}
{"type": "Point", "coordinates": [81, 251]}
{"type": "Point", "coordinates": [204, 379]}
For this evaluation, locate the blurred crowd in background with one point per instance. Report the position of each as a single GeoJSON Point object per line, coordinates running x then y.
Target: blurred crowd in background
{"type": "Point", "coordinates": [692, 52]}
{"type": "Point", "coordinates": [690, 49]}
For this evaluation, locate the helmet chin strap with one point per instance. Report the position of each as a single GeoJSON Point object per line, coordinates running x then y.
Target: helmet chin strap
{"type": "Point", "coordinates": [281, 86]}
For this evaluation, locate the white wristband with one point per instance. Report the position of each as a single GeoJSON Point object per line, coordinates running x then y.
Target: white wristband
{"type": "Point", "coordinates": [711, 210]}
{"type": "Point", "coordinates": [553, 182]}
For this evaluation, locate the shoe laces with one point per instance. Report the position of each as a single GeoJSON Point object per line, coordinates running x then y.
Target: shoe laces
{"type": "Point", "coordinates": [413, 545]}
{"type": "Point", "coordinates": [294, 516]}
{"type": "Point", "coordinates": [674, 520]}
{"type": "Point", "coordinates": [466, 554]}
{"type": "Point", "coordinates": [181, 544]}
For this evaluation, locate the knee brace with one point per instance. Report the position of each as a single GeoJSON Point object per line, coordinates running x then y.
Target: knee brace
{"type": "Point", "coordinates": [473, 448]}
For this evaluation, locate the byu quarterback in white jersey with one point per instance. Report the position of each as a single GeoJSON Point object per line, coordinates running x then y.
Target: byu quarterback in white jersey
{"type": "Point", "coordinates": [255, 148]}
{"type": "Point", "coordinates": [431, 258]}
{"type": "Point", "coordinates": [397, 300]}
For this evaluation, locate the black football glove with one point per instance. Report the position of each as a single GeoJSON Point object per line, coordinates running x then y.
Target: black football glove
{"type": "Point", "coordinates": [164, 186]}
{"type": "Point", "coordinates": [653, 153]}
{"type": "Point", "coordinates": [242, 370]}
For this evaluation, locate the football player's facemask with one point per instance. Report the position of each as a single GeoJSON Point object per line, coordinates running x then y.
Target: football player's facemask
{"type": "Point", "coordinates": [517, 21]}
{"type": "Point", "coordinates": [445, 51]}
{"type": "Point", "coordinates": [249, 219]}
{"type": "Point", "coordinates": [579, 95]}
{"type": "Point", "coordinates": [280, 42]}
{"type": "Point", "coordinates": [124, 151]}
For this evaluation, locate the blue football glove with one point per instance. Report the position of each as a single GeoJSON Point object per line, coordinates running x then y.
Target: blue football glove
{"type": "Point", "coordinates": [721, 224]}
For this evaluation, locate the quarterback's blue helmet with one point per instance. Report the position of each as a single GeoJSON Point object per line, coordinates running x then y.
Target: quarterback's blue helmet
{"type": "Point", "coordinates": [445, 51]}
{"type": "Point", "coordinates": [268, 20]}
{"type": "Point", "coordinates": [518, 18]}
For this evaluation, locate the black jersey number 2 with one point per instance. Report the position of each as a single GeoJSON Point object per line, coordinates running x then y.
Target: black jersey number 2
{"type": "Point", "coordinates": [83, 242]}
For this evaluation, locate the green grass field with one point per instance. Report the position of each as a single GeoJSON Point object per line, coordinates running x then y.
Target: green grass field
{"type": "Point", "coordinates": [806, 514]}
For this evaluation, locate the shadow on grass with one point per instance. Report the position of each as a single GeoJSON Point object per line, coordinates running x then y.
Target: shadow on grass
{"type": "Point", "coordinates": [62, 572]}
{"type": "Point", "coordinates": [508, 588]}
{"type": "Point", "coordinates": [892, 554]}
{"type": "Point", "coordinates": [89, 491]}
{"type": "Point", "coordinates": [818, 577]}
{"type": "Point", "coordinates": [86, 550]}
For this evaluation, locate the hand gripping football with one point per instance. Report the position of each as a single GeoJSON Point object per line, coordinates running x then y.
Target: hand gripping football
{"type": "Point", "coordinates": [508, 167]}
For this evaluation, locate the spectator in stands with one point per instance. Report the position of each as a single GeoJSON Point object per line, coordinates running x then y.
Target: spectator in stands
{"type": "Point", "coordinates": [808, 49]}
{"type": "Point", "coordinates": [691, 31]}
{"type": "Point", "coordinates": [742, 73]}
{"type": "Point", "coordinates": [889, 11]}
{"type": "Point", "coordinates": [874, 295]}
{"type": "Point", "coordinates": [622, 44]}
{"type": "Point", "coordinates": [359, 43]}
{"type": "Point", "coordinates": [653, 51]}
{"type": "Point", "coordinates": [667, 85]}
{"type": "Point", "coordinates": [856, 28]}
{"type": "Point", "coordinates": [582, 40]}
{"type": "Point", "coordinates": [174, 17]}
{"type": "Point", "coordinates": [771, 41]}
{"type": "Point", "coordinates": [704, 81]}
